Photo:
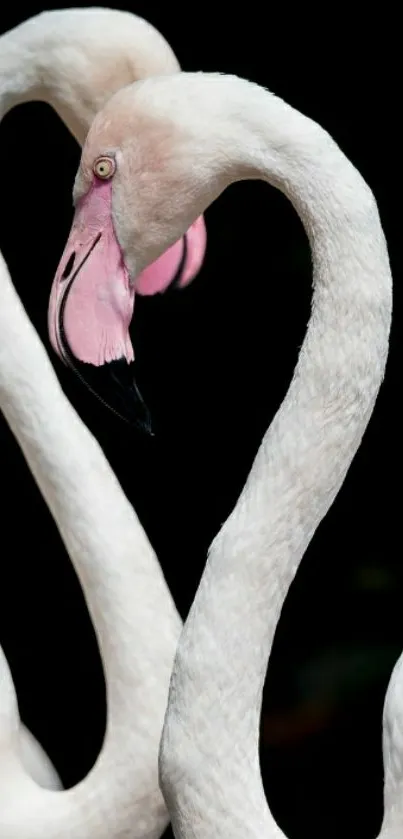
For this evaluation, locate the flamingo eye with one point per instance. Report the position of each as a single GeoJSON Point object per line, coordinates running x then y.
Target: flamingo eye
{"type": "Point", "coordinates": [104, 168]}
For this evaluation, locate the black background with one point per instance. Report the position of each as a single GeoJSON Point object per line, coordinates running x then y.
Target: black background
{"type": "Point", "coordinates": [214, 363]}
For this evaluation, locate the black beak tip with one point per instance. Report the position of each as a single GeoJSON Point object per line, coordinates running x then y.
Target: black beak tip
{"type": "Point", "coordinates": [137, 413]}
{"type": "Point", "coordinates": [125, 398]}
{"type": "Point", "coordinates": [114, 384]}
{"type": "Point", "coordinates": [147, 429]}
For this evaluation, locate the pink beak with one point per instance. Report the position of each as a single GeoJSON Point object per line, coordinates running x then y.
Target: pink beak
{"type": "Point", "coordinates": [92, 299]}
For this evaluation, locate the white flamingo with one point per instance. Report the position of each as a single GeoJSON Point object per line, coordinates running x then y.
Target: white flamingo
{"type": "Point", "coordinates": [75, 59]}
{"type": "Point", "coordinates": [206, 131]}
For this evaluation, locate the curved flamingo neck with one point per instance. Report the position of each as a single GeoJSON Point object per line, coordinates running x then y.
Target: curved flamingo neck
{"type": "Point", "coordinates": [124, 589]}
{"type": "Point", "coordinates": [119, 573]}
{"type": "Point", "coordinates": [209, 762]}
{"type": "Point", "coordinates": [75, 59]}
{"type": "Point", "coordinates": [18, 77]}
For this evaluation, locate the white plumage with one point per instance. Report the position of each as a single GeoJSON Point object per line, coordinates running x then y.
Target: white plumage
{"type": "Point", "coordinates": [215, 130]}
{"type": "Point", "coordinates": [74, 59]}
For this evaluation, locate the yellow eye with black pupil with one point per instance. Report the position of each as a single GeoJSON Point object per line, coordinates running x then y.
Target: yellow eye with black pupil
{"type": "Point", "coordinates": [104, 168]}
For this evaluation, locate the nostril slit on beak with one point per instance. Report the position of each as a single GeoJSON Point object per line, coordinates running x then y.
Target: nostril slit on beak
{"type": "Point", "coordinates": [69, 266]}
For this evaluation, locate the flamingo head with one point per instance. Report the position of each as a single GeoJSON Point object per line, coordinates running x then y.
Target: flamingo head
{"type": "Point", "coordinates": [147, 172]}
{"type": "Point", "coordinates": [93, 293]}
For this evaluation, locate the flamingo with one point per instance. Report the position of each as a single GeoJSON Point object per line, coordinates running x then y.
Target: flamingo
{"type": "Point", "coordinates": [74, 59]}
{"type": "Point", "coordinates": [169, 147]}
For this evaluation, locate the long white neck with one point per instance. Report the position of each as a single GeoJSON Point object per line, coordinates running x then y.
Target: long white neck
{"type": "Point", "coordinates": [125, 592]}
{"type": "Point", "coordinates": [75, 59]}
{"type": "Point", "coordinates": [209, 760]}
{"type": "Point", "coordinates": [18, 77]}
